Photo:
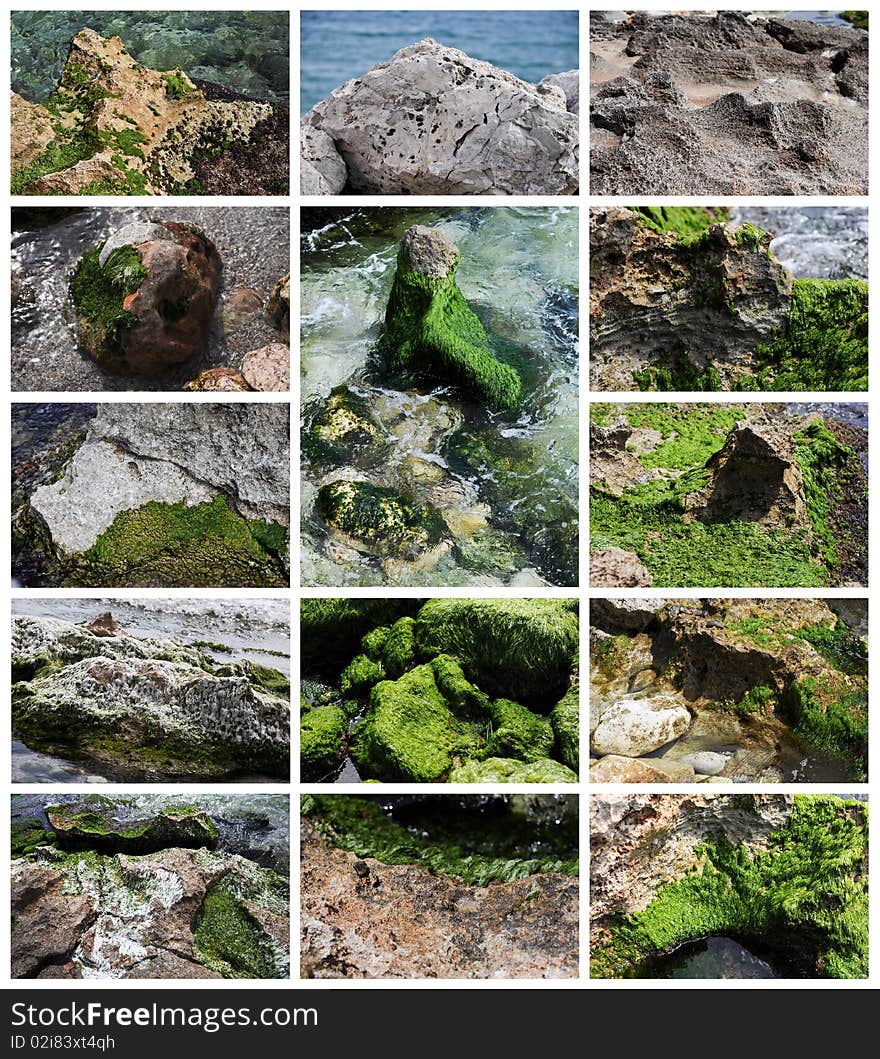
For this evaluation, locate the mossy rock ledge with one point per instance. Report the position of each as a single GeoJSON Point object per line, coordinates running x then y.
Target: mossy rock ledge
{"type": "Point", "coordinates": [430, 328]}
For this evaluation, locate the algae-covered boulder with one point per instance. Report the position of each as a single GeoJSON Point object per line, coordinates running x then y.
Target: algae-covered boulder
{"type": "Point", "coordinates": [144, 298]}
{"type": "Point", "coordinates": [331, 629]}
{"type": "Point", "coordinates": [565, 720]}
{"type": "Point", "coordinates": [506, 770]}
{"type": "Point", "coordinates": [522, 649]}
{"type": "Point", "coordinates": [381, 521]}
{"type": "Point", "coordinates": [322, 742]}
{"type": "Point", "coordinates": [430, 328]}
{"type": "Point", "coordinates": [360, 675]}
{"type": "Point", "coordinates": [416, 728]}
{"type": "Point", "coordinates": [399, 650]}
{"type": "Point", "coordinates": [184, 828]}
{"type": "Point", "coordinates": [518, 733]}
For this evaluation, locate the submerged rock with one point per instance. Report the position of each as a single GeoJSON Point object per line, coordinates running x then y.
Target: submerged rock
{"type": "Point", "coordinates": [429, 326]}
{"type": "Point", "coordinates": [218, 380]}
{"type": "Point", "coordinates": [125, 129]}
{"type": "Point", "coordinates": [145, 300]}
{"type": "Point", "coordinates": [432, 120]}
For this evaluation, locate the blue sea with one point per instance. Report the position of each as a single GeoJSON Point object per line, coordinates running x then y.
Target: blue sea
{"type": "Point", "coordinates": [339, 45]}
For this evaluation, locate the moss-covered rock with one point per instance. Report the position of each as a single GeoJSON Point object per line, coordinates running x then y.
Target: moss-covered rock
{"type": "Point", "coordinates": [565, 720]}
{"type": "Point", "coordinates": [518, 733]}
{"type": "Point", "coordinates": [186, 827]}
{"type": "Point", "coordinates": [28, 834]}
{"type": "Point", "coordinates": [360, 675]}
{"type": "Point", "coordinates": [379, 520]}
{"type": "Point", "coordinates": [417, 727]}
{"type": "Point", "coordinates": [331, 629]}
{"type": "Point", "coordinates": [429, 326]}
{"type": "Point", "coordinates": [524, 649]}
{"type": "Point", "coordinates": [373, 643]}
{"type": "Point", "coordinates": [341, 428]}
{"type": "Point", "coordinates": [322, 742]}
{"type": "Point", "coordinates": [506, 770]}
{"type": "Point", "coordinates": [399, 652]}
{"type": "Point", "coordinates": [230, 939]}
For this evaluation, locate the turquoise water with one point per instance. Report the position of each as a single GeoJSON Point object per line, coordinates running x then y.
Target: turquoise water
{"type": "Point", "coordinates": [245, 51]}
{"type": "Point", "coordinates": [339, 45]}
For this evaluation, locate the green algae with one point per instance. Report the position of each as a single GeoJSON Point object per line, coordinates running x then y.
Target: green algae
{"type": "Point", "coordinates": [611, 655]}
{"type": "Point", "coordinates": [360, 826]}
{"type": "Point", "coordinates": [98, 294]}
{"type": "Point", "coordinates": [523, 649]}
{"type": "Point", "coordinates": [183, 826]}
{"type": "Point", "coordinates": [399, 652]}
{"type": "Point", "coordinates": [508, 770]}
{"type": "Point", "coordinates": [389, 523]}
{"type": "Point", "coordinates": [331, 629]}
{"type": "Point", "coordinates": [373, 642]}
{"type": "Point", "coordinates": [177, 84]}
{"type": "Point", "coordinates": [565, 722]}
{"type": "Point", "coordinates": [518, 733]}
{"type": "Point", "coordinates": [828, 718]}
{"type": "Point", "coordinates": [162, 544]}
{"type": "Point", "coordinates": [680, 220]}
{"type": "Point", "coordinates": [824, 462]}
{"type": "Point", "coordinates": [27, 835]}
{"type": "Point", "coordinates": [322, 742]}
{"type": "Point", "coordinates": [429, 327]}
{"type": "Point", "coordinates": [360, 675]}
{"type": "Point", "coordinates": [805, 894]}
{"type": "Point", "coordinates": [859, 19]}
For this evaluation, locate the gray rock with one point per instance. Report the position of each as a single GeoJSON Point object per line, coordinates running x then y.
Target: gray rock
{"type": "Point", "coordinates": [569, 82]}
{"type": "Point", "coordinates": [705, 763]}
{"type": "Point", "coordinates": [633, 727]}
{"type": "Point", "coordinates": [133, 234]}
{"type": "Point", "coordinates": [322, 169]}
{"type": "Point", "coordinates": [616, 568]}
{"type": "Point", "coordinates": [432, 120]}
{"type": "Point", "coordinates": [627, 615]}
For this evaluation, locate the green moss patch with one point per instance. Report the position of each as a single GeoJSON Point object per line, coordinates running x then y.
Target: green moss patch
{"type": "Point", "coordinates": [508, 770]}
{"type": "Point", "coordinates": [98, 294]}
{"type": "Point", "coordinates": [229, 939]}
{"type": "Point", "coordinates": [805, 894]}
{"type": "Point", "coordinates": [680, 220]}
{"type": "Point", "coordinates": [565, 721]}
{"type": "Point", "coordinates": [322, 734]}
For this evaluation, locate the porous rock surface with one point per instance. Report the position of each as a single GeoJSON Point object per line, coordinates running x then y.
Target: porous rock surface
{"type": "Point", "coordinates": [684, 104]}
{"type": "Point", "coordinates": [653, 300]}
{"type": "Point", "coordinates": [170, 453]}
{"type": "Point", "coordinates": [432, 120]}
{"type": "Point", "coordinates": [399, 920]}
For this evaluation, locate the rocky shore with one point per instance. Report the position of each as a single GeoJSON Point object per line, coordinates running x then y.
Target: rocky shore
{"type": "Point", "coordinates": [381, 899]}
{"type": "Point", "coordinates": [681, 299]}
{"type": "Point", "coordinates": [786, 875]}
{"type": "Point", "coordinates": [162, 495]}
{"type": "Point", "coordinates": [143, 707]}
{"type": "Point", "coordinates": [103, 888]}
{"type": "Point", "coordinates": [728, 691]}
{"type": "Point", "coordinates": [469, 691]}
{"type": "Point", "coordinates": [433, 121]}
{"type": "Point", "coordinates": [115, 127]}
{"type": "Point", "coordinates": [728, 103]}
{"type": "Point", "coordinates": [726, 496]}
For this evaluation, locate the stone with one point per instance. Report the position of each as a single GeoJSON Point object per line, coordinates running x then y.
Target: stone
{"type": "Point", "coordinates": [54, 919]}
{"type": "Point", "coordinates": [146, 305]}
{"type": "Point", "coordinates": [104, 625]}
{"type": "Point", "coordinates": [239, 307]}
{"type": "Point", "coordinates": [411, 922]}
{"type": "Point", "coordinates": [705, 763]}
{"type": "Point", "coordinates": [613, 768]}
{"type": "Point", "coordinates": [657, 300]}
{"type": "Point", "coordinates": [569, 83]}
{"type": "Point", "coordinates": [613, 467]}
{"type": "Point", "coordinates": [31, 129]}
{"type": "Point", "coordinates": [278, 307]}
{"type": "Point", "coordinates": [433, 121]}
{"type": "Point", "coordinates": [633, 727]}
{"type": "Point", "coordinates": [218, 380]}
{"type": "Point", "coordinates": [616, 568]}
{"type": "Point", "coordinates": [624, 615]}
{"type": "Point", "coordinates": [89, 829]}
{"type": "Point", "coordinates": [322, 168]}
{"type": "Point", "coordinates": [153, 127]}
{"type": "Point", "coordinates": [508, 770]}
{"type": "Point", "coordinates": [267, 369]}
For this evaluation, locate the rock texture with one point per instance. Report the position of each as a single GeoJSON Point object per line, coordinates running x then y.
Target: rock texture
{"type": "Point", "coordinates": [655, 299]}
{"type": "Point", "coordinates": [432, 120]}
{"type": "Point", "coordinates": [727, 104]}
{"type": "Point", "coordinates": [616, 568]}
{"type": "Point", "coordinates": [401, 921]}
{"type": "Point", "coordinates": [119, 127]}
{"type": "Point", "coordinates": [143, 705]}
{"type": "Point", "coordinates": [633, 727]}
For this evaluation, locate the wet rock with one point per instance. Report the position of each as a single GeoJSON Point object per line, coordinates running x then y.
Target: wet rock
{"type": "Point", "coordinates": [148, 303]}
{"type": "Point", "coordinates": [178, 912]}
{"type": "Point", "coordinates": [614, 768]}
{"type": "Point", "coordinates": [150, 128]}
{"type": "Point", "coordinates": [239, 307]}
{"type": "Point", "coordinates": [104, 625]}
{"type": "Point", "coordinates": [760, 109]}
{"type": "Point", "coordinates": [656, 299]}
{"type": "Point", "coordinates": [267, 369]}
{"type": "Point", "coordinates": [411, 922]}
{"type": "Point", "coordinates": [633, 727]}
{"type": "Point", "coordinates": [278, 307]}
{"type": "Point", "coordinates": [89, 829]}
{"type": "Point", "coordinates": [624, 615]}
{"type": "Point", "coordinates": [472, 129]}
{"type": "Point", "coordinates": [218, 380]}
{"type": "Point", "coordinates": [507, 770]}
{"type": "Point", "coordinates": [616, 568]}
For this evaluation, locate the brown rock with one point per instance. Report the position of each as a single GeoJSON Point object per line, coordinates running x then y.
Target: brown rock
{"type": "Point", "coordinates": [404, 922]}
{"type": "Point", "coordinates": [239, 306]}
{"type": "Point", "coordinates": [267, 368]}
{"type": "Point", "coordinates": [48, 921]}
{"type": "Point", "coordinates": [31, 130]}
{"type": "Point", "coordinates": [616, 769]}
{"type": "Point", "coordinates": [218, 380]}
{"type": "Point", "coordinates": [613, 467]}
{"type": "Point", "coordinates": [278, 307]}
{"type": "Point", "coordinates": [616, 568]}
{"type": "Point", "coordinates": [103, 625]}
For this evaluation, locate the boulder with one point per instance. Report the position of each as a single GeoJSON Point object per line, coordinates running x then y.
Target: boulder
{"type": "Point", "coordinates": [433, 121]}
{"type": "Point", "coordinates": [565, 720]}
{"type": "Point", "coordinates": [624, 615]}
{"type": "Point", "coordinates": [429, 326]}
{"type": "Point", "coordinates": [278, 307]}
{"type": "Point", "coordinates": [91, 829]}
{"type": "Point", "coordinates": [31, 129]}
{"type": "Point", "coordinates": [633, 727]}
{"type": "Point", "coordinates": [322, 743]}
{"type": "Point", "coordinates": [145, 299]}
{"type": "Point", "coordinates": [267, 369]}
{"type": "Point", "coordinates": [616, 568]}
{"type": "Point", "coordinates": [507, 770]}
{"type": "Point", "coordinates": [569, 82]}
{"type": "Point", "coordinates": [218, 380]}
